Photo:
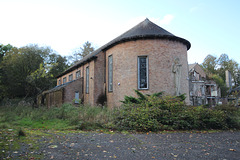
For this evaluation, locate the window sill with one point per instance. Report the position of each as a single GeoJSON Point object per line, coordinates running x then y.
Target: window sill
{"type": "Point", "coordinates": [143, 88]}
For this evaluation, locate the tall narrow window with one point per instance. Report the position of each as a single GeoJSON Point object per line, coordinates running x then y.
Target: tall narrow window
{"type": "Point", "coordinates": [143, 72]}
{"type": "Point", "coordinates": [70, 78]}
{"type": "Point", "coordinates": [110, 73]}
{"type": "Point", "coordinates": [77, 97]}
{"type": "Point", "coordinates": [64, 80]}
{"type": "Point", "coordinates": [78, 74]}
{"type": "Point", "coordinates": [87, 80]}
{"type": "Point", "coordinates": [59, 82]}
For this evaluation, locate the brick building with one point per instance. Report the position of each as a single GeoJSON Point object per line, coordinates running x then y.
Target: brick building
{"type": "Point", "coordinates": [145, 58]}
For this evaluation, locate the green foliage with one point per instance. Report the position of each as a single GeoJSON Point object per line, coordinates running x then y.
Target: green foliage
{"type": "Point", "coordinates": [82, 52]}
{"type": "Point", "coordinates": [216, 67]}
{"type": "Point", "coordinates": [66, 116]}
{"type": "Point", "coordinates": [152, 113]}
{"type": "Point", "coordinates": [21, 133]}
{"type": "Point", "coordinates": [220, 83]}
{"type": "Point", "coordinates": [170, 113]}
{"type": "Point", "coordinates": [4, 49]}
{"type": "Point", "coordinates": [210, 64]}
{"type": "Point", "coordinates": [141, 97]}
{"type": "Point", "coordinates": [27, 71]}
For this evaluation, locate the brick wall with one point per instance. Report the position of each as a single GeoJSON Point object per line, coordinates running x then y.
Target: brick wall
{"type": "Point", "coordinates": [99, 87]}
{"type": "Point", "coordinates": [89, 98]}
{"type": "Point", "coordinates": [161, 55]}
{"type": "Point", "coordinates": [67, 75]}
{"type": "Point", "coordinates": [69, 91]}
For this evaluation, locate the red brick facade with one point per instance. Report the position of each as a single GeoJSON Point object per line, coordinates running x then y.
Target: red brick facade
{"type": "Point", "coordinates": [161, 55]}
{"type": "Point", "coordinates": [161, 52]}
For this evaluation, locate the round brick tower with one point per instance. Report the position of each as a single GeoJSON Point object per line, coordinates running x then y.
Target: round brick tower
{"type": "Point", "coordinates": [146, 58]}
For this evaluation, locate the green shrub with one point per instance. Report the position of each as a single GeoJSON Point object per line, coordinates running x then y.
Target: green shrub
{"type": "Point", "coordinates": [232, 114]}
{"type": "Point", "coordinates": [153, 113]}
{"type": "Point", "coordinates": [148, 112]}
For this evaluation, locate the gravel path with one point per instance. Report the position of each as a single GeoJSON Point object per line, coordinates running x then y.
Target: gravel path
{"type": "Point", "coordinates": [86, 146]}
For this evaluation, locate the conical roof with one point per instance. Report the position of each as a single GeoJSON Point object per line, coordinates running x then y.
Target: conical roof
{"type": "Point", "coordinates": [144, 30]}
{"type": "Point", "coordinates": [147, 30]}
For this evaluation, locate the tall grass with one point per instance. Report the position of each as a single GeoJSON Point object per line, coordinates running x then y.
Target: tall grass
{"type": "Point", "coordinates": [149, 113]}
{"type": "Point", "coordinates": [66, 116]}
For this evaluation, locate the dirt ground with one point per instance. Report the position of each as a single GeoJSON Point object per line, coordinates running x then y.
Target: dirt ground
{"type": "Point", "coordinates": [92, 145]}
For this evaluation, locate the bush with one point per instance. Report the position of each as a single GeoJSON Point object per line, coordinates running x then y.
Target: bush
{"type": "Point", "coordinates": [156, 112]}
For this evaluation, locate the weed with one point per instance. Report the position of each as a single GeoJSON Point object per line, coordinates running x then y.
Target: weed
{"type": "Point", "coordinates": [21, 133]}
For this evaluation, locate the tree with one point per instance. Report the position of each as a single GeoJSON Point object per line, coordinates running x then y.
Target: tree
{"type": "Point", "coordinates": [4, 49]}
{"type": "Point", "coordinates": [221, 84]}
{"type": "Point", "coordinates": [83, 51]}
{"type": "Point", "coordinates": [29, 70]}
{"type": "Point", "coordinates": [224, 64]}
{"type": "Point", "coordinates": [215, 69]}
{"type": "Point", "coordinates": [209, 64]}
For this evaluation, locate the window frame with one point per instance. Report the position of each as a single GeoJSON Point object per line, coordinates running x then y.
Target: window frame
{"type": "Point", "coordinates": [70, 78]}
{"type": "Point", "coordinates": [78, 74]}
{"type": "Point", "coordinates": [147, 68]}
{"type": "Point", "coordinates": [87, 80]}
{"type": "Point", "coordinates": [110, 72]}
{"type": "Point", "coordinates": [64, 80]}
{"type": "Point", "coordinates": [59, 82]}
{"type": "Point", "coordinates": [76, 98]}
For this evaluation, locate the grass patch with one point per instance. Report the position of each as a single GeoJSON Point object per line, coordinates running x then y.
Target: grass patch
{"type": "Point", "coordinates": [59, 118]}
{"type": "Point", "coordinates": [11, 141]}
{"type": "Point", "coordinates": [146, 113]}
{"type": "Point", "coordinates": [57, 124]}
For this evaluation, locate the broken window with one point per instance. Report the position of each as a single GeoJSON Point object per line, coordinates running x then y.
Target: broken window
{"type": "Point", "coordinates": [143, 72]}
{"type": "Point", "coordinates": [110, 73]}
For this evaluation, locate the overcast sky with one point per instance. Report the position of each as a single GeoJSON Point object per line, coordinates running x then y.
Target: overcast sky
{"type": "Point", "coordinates": [212, 26]}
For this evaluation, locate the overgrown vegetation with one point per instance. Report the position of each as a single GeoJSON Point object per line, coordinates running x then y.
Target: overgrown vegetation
{"type": "Point", "coordinates": [65, 117]}
{"type": "Point", "coordinates": [156, 112]}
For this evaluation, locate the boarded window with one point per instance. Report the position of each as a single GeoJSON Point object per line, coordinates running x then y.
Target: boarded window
{"type": "Point", "coordinates": [110, 73]}
{"type": "Point", "coordinates": [64, 80]}
{"type": "Point", "coordinates": [87, 80]}
{"type": "Point", "coordinates": [143, 72]}
{"type": "Point", "coordinates": [70, 78]}
{"type": "Point", "coordinates": [77, 97]}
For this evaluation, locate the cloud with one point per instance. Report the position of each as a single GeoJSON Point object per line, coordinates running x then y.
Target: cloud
{"type": "Point", "coordinates": [167, 19]}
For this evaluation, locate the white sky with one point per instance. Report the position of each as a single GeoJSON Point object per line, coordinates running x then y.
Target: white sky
{"type": "Point", "coordinates": [212, 27]}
